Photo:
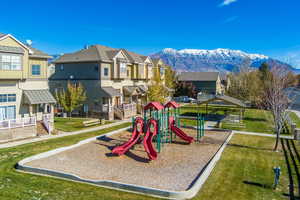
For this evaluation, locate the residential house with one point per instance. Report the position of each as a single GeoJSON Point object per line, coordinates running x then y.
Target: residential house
{"type": "Point", "coordinates": [205, 82]}
{"type": "Point", "coordinates": [24, 92]}
{"type": "Point", "coordinates": [115, 80]}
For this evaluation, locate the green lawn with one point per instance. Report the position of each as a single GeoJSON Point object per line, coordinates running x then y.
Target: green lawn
{"type": "Point", "coordinates": [295, 119]}
{"type": "Point", "coordinates": [17, 185]}
{"type": "Point", "coordinates": [249, 158]}
{"type": "Point", "coordinates": [255, 120]}
{"type": "Point", "coordinates": [72, 124]}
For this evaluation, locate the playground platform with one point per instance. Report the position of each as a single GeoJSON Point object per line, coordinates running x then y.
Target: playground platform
{"type": "Point", "coordinates": [176, 169]}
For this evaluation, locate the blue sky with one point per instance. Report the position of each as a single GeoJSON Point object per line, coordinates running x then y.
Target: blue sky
{"type": "Point", "coordinates": [270, 27]}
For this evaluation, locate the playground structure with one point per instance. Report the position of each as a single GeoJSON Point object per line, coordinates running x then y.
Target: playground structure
{"type": "Point", "coordinates": [159, 123]}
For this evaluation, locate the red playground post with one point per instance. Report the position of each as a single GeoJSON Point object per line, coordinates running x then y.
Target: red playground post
{"type": "Point", "coordinates": [120, 150]}
{"type": "Point", "coordinates": [152, 154]}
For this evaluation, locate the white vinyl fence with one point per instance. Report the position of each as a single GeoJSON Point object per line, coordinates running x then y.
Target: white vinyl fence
{"type": "Point", "coordinates": [17, 123]}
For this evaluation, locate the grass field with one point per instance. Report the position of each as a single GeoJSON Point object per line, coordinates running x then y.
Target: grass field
{"type": "Point", "coordinates": [255, 120]}
{"type": "Point", "coordinates": [247, 158]}
{"type": "Point", "coordinates": [295, 119]}
{"type": "Point", "coordinates": [72, 124]}
{"type": "Point", "coordinates": [245, 171]}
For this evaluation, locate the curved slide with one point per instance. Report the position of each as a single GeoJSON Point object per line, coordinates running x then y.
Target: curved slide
{"type": "Point", "coordinates": [179, 132]}
{"type": "Point", "coordinates": [152, 154]}
{"type": "Point", "coordinates": [120, 150]}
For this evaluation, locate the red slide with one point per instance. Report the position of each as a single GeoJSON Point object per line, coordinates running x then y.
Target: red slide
{"type": "Point", "coordinates": [179, 132]}
{"type": "Point", "coordinates": [120, 150]}
{"type": "Point", "coordinates": [152, 154]}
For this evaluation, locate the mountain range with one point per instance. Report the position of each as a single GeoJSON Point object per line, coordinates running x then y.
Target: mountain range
{"type": "Point", "coordinates": [217, 60]}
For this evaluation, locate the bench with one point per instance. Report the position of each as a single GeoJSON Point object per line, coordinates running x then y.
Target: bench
{"type": "Point", "coordinates": [91, 122]}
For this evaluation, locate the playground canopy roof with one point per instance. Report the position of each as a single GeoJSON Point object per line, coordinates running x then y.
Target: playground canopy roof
{"type": "Point", "coordinates": [172, 104]}
{"type": "Point", "coordinates": [155, 105]}
{"type": "Point", "coordinates": [228, 99]}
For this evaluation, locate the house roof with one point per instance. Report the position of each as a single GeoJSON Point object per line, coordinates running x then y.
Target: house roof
{"type": "Point", "coordinates": [228, 99]}
{"type": "Point", "coordinates": [155, 60]}
{"type": "Point", "coordinates": [92, 54]}
{"type": "Point", "coordinates": [38, 97]}
{"type": "Point", "coordinates": [134, 57]}
{"type": "Point", "coordinates": [198, 76]}
{"type": "Point", "coordinates": [110, 92]}
{"type": "Point", "coordinates": [96, 53]}
{"type": "Point", "coordinates": [38, 53]}
{"type": "Point", "coordinates": [2, 35]}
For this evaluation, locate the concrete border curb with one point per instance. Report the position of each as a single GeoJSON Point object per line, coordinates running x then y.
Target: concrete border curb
{"type": "Point", "coordinates": [191, 192]}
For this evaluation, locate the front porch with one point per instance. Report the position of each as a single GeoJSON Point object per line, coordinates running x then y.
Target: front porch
{"type": "Point", "coordinates": [40, 105]}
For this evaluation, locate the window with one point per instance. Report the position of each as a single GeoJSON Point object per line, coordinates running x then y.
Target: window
{"type": "Point", "coordinates": [11, 97]}
{"type": "Point", "coordinates": [122, 68]}
{"type": "Point", "coordinates": [3, 97]}
{"type": "Point", "coordinates": [105, 71]}
{"type": "Point", "coordinates": [96, 68]}
{"type": "Point", "coordinates": [62, 67]}
{"type": "Point", "coordinates": [10, 62]}
{"type": "Point", "coordinates": [7, 98]}
{"type": "Point", "coordinates": [141, 71]}
{"type": "Point", "coordinates": [7, 112]}
{"type": "Point", "coordinates": [36, 70]}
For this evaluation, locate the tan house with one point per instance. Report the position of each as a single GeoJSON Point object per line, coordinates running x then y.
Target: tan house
{"type": "Point", "coordinates": [24, 92]}
{"type": "Point", "coordinates": [115, 80]}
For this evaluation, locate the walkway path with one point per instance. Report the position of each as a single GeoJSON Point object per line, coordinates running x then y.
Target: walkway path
{"type": "Point", "coordinates": [46, 137]}
{"type": "Point", "coordinates": [262, 134]}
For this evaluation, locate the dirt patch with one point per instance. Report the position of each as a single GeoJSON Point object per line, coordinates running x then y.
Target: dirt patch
{"type": "Point", "coordinates": [177, 166]}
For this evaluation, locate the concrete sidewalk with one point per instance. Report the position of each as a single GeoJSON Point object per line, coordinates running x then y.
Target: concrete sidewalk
{"type": "Point", "coordinates": [46, 137]}
{"type": "Point", "coordinates": [262, 134]}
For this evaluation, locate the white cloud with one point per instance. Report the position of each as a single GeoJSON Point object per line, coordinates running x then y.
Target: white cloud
{"type": "Point", "coordinates": [227, 2]}
{"type": "Point", "coordinates": [230, 19]}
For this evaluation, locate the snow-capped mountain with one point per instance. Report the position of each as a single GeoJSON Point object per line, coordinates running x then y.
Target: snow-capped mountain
{"type": "Point", "coordinates": [222, 60]}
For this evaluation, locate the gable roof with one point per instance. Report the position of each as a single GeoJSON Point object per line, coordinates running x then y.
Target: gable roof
{"type": "Point", "coordinates": [38, 53]}
{"type": "Point", "coordinates": [198, 76]}
{"type": "Point", "coordinates": [134, 57]}
{"type": "Point", "coordinates": [209, 98]}
{"type": "Point", "coordinates": [2, 35]}
{"type": "Point", "coordinates": [96, 53]}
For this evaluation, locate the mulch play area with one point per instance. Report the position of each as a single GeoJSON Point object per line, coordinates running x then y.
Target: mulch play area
{"type": "Point", "coordinates": [176, 168]}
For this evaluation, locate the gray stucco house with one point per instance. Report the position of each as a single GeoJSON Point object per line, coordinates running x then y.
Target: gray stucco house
{"type": "Point", "coordinates": [205, 82]}
{"type": "Point", "coordinates": [115, 80]}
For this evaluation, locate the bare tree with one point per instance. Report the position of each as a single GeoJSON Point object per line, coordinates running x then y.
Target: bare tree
{"type": "Point", "coordinates": [276, 99]}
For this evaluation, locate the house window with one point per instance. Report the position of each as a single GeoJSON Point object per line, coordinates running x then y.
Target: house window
{"type": "Point", "coordinates": [36, 70]}
{"type": "Point", "coordinates": [7, 112]}
{"type": "Point", "coordinates": [10, 62]}
{"type": "Point", "coordinates": [3, 97]}
{"type": "Point", "coordinates": [62, 67]}
{"type": "Point", "coordinates": [96, 68]}
{"type": "Point", "coordinates": [141, 71]}
{"type": "Point", "coordinates": [11, 97]}
{"type": "Point", "coordinates": [105, 71]}
{"type": "Point", "coordinates": [122, 68]}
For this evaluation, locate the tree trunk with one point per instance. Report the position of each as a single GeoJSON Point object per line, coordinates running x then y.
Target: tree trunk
{"type": "Point", "coordinates": [277, 141]}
